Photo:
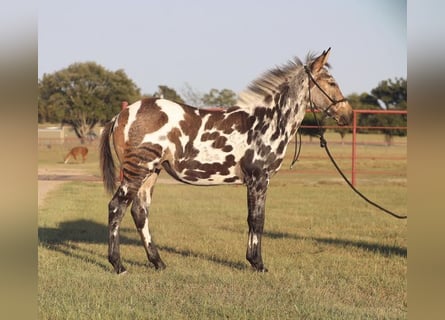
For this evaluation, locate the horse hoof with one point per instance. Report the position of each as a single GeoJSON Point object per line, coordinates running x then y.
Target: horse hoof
{"type": "Point", "coordinates": [120, 270]}
{"type": "Point", "coordinates": [160, 266]}
{"type": "Point", "coordinates": [260, 269]}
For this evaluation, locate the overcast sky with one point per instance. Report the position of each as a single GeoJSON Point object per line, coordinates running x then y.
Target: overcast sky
{"type": "Point", "coordinates": [224, 44]}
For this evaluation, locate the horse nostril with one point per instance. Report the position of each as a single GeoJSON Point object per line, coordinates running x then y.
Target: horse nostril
{"type": "Point", "coordinates": [344, 120]}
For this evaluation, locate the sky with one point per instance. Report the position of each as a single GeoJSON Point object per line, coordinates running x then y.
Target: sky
{"type": "Point", "coordinates": [224, 44]}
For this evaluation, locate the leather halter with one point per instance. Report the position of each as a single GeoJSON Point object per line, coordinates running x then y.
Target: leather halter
{"type": "Point", "coordinates": [333, 101]}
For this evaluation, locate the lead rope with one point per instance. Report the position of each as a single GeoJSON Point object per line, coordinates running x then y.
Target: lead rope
{"type": "Point", "coordinates": [324, 144]}
{"type": "Point", "coordinates": [297, 148]}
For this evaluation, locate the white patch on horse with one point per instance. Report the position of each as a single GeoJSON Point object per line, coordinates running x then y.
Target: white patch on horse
{"type": "Point", "coordinates": [254, 240]}
{"type": "Point", "coordinates": [146, 233]}
{"type": "Point", "coordinates": [175, 115]}
{"type": "Point", "coordinates": [132, 111]}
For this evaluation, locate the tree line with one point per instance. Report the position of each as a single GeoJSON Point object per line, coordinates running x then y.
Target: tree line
{"type": "Point", "coordinates": [84, 95]}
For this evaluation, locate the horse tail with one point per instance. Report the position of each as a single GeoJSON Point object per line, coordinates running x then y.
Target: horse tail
{"type": "Point", "coordinates": [107, 166]}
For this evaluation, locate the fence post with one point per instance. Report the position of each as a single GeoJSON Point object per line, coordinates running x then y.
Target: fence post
{"type": "Point", "coordinates": [354, 145]}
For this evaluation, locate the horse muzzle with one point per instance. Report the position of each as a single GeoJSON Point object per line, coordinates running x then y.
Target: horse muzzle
{"type": "Point", "coordinates": [344, 115]}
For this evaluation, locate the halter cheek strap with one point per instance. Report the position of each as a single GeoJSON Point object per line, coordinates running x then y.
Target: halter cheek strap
{"type": "Point", "coordinates": [333, 101]}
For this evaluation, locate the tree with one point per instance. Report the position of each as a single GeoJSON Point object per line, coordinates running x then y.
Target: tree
{"type": "Point", "coordinates": [219, 98]}
{"type": "Point", "coordinates": [192, 96]}
{"type": "Point", "coordinates": [314, 130]}
{"type": "Point", "coordinates": [83, 95]}
{"type": "Point", "coordinates": [393, 95]}
{"type": "Point", "coordinates": [168, 93]}
{"type": "Point", "coordinates": [364, 101]}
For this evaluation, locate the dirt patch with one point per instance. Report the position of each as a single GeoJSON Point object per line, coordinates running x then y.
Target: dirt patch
{"type": "Point", "coordinates": [49, 179]}
{"type": "Point", "coordinates": [44, 187]}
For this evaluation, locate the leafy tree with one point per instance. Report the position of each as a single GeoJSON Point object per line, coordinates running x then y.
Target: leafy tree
{"type": "Point", "coordinates": [393, 94]}
{"type": "Point", "coordinates": [83, 95]}
{"type": "Point", "coordinates": [364, 101]}
{"type": "Point", "coordinates": [219, 98]}
{"type": "Point", "coordinates": [192, 96]}
{"type": "Point", "coordinates": [168, 93]}
{"type": "Point", "coordinates": [313, 130]}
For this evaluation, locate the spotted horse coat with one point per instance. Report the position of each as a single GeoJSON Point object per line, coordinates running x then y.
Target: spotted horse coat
{"type": "Point", "coordinates": [243, 144]}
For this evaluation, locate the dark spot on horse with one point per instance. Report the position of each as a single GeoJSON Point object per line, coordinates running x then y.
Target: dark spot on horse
{"type": "Point", "coordinates": [259, 114]}
{"type": "Point", "coordinates": [190, 151]}
{"type": "Point", "coordinates": [264, 150]}
{"type": "Point", "coordinates": [268, 99]}
{"type": "Point", "coordinates": [150, 117]}
{"type": "Point", "coordinates": [276, 164]}
{"type": "Point", "coordinates": [230, 160]}
{"type": "Point", "coordinates": [264, 128]}
{"type": "Point", "coordinates": [213, 120]}
{"type": "Point", "coordinates": [219, 142]}
{"type": "Point", "coordinates": [227, 148]}
{"type": "Point", "coordinates": [281, 146]}
{"type": "Point", "coordinates": [277, 98]}
{"type": "Point", "coordinates": [191, 123]}
{"type": "Point", "coordinates": [173, 136]}
{"type": "Point", "coordinates": [232, 179]}
{"type": "Point", "coordinates": [209, 136]}
{"type": "Point", "coordinates": [249, 136]}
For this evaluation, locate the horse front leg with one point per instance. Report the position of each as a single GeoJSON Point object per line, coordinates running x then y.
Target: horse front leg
{"type": "Point", "coordinates": [256, 202]}
{"type": "Point", "coordinates": [116, 211]}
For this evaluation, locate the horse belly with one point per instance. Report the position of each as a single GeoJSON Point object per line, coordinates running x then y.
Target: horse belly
{"type": "Point", "coordinates": [209, 166]}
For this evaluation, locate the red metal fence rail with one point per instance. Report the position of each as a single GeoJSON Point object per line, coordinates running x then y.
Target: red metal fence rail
{"type": "Point", "coordinates": [354, 135]}
{"type": "Point", "coordinates": [354, 127]}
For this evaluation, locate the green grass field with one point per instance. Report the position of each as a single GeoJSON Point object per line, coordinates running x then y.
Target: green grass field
{"type": "Point", "coordinates": [329, 254]}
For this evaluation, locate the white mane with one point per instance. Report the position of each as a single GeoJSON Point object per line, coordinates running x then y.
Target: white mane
{"type": "Point", "coordinates": [262, 90]}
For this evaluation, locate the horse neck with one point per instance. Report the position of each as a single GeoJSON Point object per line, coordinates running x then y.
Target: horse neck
{"type": "Point", "coordinates": [288, 112]}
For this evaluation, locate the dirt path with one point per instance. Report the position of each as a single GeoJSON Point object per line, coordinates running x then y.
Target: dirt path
{"type": "Point", "coordinates": [51, 178]}
{"type": "Point", "coordinates": [44, 186]}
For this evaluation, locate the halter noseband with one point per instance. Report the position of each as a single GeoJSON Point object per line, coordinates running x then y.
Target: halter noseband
{"type": "Point", "coordinates": [333, 101]}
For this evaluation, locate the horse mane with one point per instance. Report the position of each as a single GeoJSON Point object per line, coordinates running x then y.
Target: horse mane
{"type": "Point", "coordinates": [262, 90]}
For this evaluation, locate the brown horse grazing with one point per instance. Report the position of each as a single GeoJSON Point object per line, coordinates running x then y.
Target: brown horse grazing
{"type": "Point", "coordinates": [244, 144]}
{"type": "Point", "coordinates": [76, 151]}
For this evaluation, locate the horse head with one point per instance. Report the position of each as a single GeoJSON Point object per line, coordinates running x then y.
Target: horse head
{"type": "Point", "coordinates": [325, 94]}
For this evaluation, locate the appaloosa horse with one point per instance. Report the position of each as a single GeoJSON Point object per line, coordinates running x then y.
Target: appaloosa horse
{"type": "Point", "coordinates": [243, 144]}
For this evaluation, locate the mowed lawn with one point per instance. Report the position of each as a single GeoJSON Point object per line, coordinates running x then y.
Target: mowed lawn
{"type": "Point", "coordinates": [329, 254]}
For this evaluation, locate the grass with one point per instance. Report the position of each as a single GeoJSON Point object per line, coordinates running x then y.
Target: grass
{"type": "Point", "coordinates": [329, 255]}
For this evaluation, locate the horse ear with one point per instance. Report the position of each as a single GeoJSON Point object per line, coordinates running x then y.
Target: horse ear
{"type": "Point", "coordinates": [320, 61]}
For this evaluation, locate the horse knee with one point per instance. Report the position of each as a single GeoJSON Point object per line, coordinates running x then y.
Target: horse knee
{"type": "Point", "coordinates": [139, 215]}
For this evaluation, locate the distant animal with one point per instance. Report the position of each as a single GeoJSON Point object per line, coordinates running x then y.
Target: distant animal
{"type": "Point", "coordinates": [243, 144]}
{"type": "Point", "coordinates": [76, 151]}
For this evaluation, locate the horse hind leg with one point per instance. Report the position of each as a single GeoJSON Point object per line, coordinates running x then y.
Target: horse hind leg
{"type": "Point", "coordinates": [140, 214]}
{"type": "Point", "coordinates": [116, 210]}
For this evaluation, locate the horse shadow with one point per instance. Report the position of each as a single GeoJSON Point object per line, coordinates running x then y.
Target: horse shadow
{"type": "Point", "coordinates": [70, 235]}
{"type": "Point", "coordinates": [378, 248]}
